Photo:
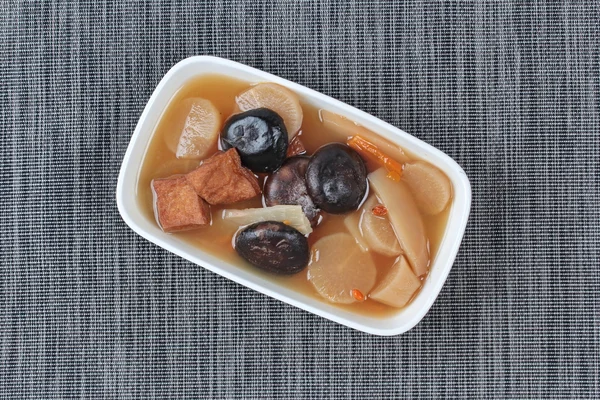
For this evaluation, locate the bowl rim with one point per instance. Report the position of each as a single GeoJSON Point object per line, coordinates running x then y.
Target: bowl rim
{"type": "Point", "coordinates": [458, 214]}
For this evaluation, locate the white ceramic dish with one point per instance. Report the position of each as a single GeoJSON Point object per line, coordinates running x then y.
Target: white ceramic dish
{"type": "Point", "coordinates": [406, 318]}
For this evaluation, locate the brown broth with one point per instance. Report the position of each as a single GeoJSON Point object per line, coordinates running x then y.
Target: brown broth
{"type": "Point", "coordinates": [160, 162]}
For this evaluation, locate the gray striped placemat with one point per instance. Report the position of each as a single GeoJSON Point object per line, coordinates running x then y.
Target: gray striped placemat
{"type": "Point", "coordinates": [510, 90]}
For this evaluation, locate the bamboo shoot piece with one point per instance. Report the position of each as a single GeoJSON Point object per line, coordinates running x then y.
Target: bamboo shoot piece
{"type": "Point", "coordinates": [289, 215]}
{"type": "Point", "coordinates": [351, 221]}
{"type": "Point", "coordinates": [398, 286]}
{"type": "Point", "coordinates": [377, 230]}
{"type": "Point", "coordinates": [404, 217]}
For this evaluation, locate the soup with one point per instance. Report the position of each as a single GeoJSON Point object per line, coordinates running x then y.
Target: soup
{"type": "Point", "coordinates": [345, 238]}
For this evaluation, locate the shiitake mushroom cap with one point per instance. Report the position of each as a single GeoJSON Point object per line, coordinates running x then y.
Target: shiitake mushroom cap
{"type": "Point", "coordinates": [273, 246]}
{"type": "Point", "coordinates": [336, 178]}
{"type": "Point", "coordinates": [260, 138]}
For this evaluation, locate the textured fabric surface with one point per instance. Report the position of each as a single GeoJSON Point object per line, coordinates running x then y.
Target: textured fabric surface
{"type": "Point", "coordinates": [510, 90]}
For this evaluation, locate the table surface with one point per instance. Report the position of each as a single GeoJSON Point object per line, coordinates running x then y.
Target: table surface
{"type": "Point", "coordinates": [511, 91]}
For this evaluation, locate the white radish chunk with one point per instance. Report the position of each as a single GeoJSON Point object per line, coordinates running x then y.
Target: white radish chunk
{"type": "Point", "coordinates": [404, 217]}
{"type": "Point", "coordinates": [398, 286]}
{"type": "Point", "coordinates": [276, 98]}
{"type": "Point", "coordinates": [192, 129]}
{"type": "Point", "coordinates": [430, 187]}
{"type": "Point", "coordinates": [200, 131]}
{"type": "Point", "coordinates": [339, 270]}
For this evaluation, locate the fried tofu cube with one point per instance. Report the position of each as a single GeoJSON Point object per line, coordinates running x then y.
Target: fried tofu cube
{"type": "Point", "coordinates": [177, 206]}
{"type": "Point", "coordinates": [221, 179]}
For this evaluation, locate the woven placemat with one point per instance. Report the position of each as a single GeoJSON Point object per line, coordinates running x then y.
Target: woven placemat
{"type": "Point", "coordinates": [511, 91]}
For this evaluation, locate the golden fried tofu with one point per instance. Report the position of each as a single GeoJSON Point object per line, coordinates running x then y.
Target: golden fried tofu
{"type": "Point", "coordinates": [177, 206]}
{"type": "Point", "coordinates": [221, 179]}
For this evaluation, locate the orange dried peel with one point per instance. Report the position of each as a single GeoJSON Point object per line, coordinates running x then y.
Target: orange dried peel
{"type": "Point", "coordinates": [368, 149]}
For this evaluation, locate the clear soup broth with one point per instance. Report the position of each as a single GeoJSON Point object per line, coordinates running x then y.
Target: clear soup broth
{"type": "Point", "coordinates": [160, 161]}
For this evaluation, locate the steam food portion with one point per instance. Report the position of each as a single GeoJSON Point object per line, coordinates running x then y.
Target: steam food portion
{"type": "Point", "coordinates": [306, 197]}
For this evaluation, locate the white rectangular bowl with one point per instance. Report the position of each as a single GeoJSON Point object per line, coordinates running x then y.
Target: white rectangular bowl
{"type": "Point", "coordinates": [398, 323]}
